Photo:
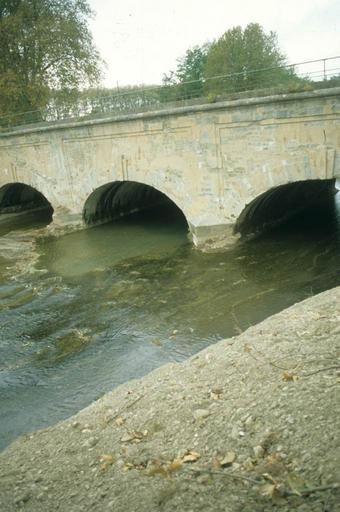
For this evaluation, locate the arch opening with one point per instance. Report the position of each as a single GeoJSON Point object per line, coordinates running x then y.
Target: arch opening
{"type": "Point", "coordinates": [283, 203]}
{"type": "Point", "coordinates": [119, 199]}
{"type": "Point", "coordinates": [19, 198]}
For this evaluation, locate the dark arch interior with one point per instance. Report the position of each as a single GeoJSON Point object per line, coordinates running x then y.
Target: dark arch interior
{"type": "Point", "coordinates": [18, 197]}
{"type": "Point", "coordinates": [122, 198]}
{"type": "Point", "coordinates": [22, 207]}
{"type": "Point", "coordinates": [282, 203]}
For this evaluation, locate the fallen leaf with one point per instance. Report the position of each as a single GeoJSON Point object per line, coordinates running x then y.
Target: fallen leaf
{"type": "Point", "coordinates": [107, 461]}
{"type": "Point", "coordinates": [175, 465]}
{"type": "Point", "coordinates": [271, 491]}
{"type": "Point", "coordinates": [126, 437]}
{"type": "Point", "coordinates": [228, 459]}
{"type": "Point", "coordinates": [216, 394]}
{"type": "Point", "coordinates": [107, 458]}
{"type": "Point", "coordinates": [247, 348]}
{"type": "Point", "coordinates": [120, 421]}
{"type": "Point", "coordinates": [191, 456]}
{"type": "Point", "coordinates": [164, 469]}
{"type": "Point", "coordinates": [269, 477]}
{"type": "Point", "coordinates": [127, 466]}
{"type": "Point", "coordinates": [267, 490]}
{"type": "Point", "coordinates": [289, 376]}
{"type": "Point", "coordinates": [134, 436]}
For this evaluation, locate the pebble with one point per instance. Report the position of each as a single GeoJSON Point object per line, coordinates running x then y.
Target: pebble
{"type": "Point", "coordinates": [200, 414]}
{"type": "Point", "coordinates": [258, 451]}
{"type": "Point", "coordinates": [89, 443]}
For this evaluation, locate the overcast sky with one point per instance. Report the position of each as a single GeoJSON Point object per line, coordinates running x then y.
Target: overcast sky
{"type": "Point", "coordinates": [140, 40]}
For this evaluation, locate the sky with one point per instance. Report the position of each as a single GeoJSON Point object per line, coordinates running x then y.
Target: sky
{"type": "Point", "coordinates": [140, 40]}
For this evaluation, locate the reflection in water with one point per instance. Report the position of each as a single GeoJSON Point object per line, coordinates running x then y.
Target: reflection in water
{"type": "Point", "coordinates": [118, 300]}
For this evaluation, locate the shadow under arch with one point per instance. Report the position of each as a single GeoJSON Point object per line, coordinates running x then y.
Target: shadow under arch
{"type": "Point", "coordinates": [279, 204]}
{"type": "Point", "coordinates": [122, 198]}
{"type": "Point", "coordinates": [18, 197]}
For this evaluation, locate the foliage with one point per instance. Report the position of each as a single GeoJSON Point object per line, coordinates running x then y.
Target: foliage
{"type": "Point", "coordinates": [45, 45]}
{"type": "Point", "coordinates": [248, 58]}
{"type": "Point", "coordinates": [186, 81]}
{"type": "Point", "coordinates": [333, 81]}
{"type": "Point", "coordinates": [92, 101]}
{"type": "Point", "coordinates": [239, 60]}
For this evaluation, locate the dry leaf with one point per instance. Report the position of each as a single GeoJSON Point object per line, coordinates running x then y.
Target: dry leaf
{"type": "Point", "coordinates": [107, 461]}
{"type": "Point", "coordinates": [164, 469]}
{"type": "Point", "coordinates": [107, 458]}
{"type": "Point", "coordinates": [269, 477]}
{"type": "Point", "coordinates": [126, 437]}
{"type": "Point", "coordinates": [228, 459]}
{"type": "Point", "coordinates": [267, 490]}
{"type": "Point", "coordinates": [175, 465]}
{"type": "Point", "coordinates": [216, 394]}
{"type": "Point", "coordinates": [191, 456]}
{"type": "Point", "coordinates": [134, 436]}
{"type": "Point", "coordinates": [289, 376]}
{"type": "Point", "coordinates": [272, 491]}
{"type": "Point", "coordinates": [247, 348]}
{"type": "Point", "coordinates": [120, 421]}
{"type": "Point", "coordinates": [127, 466]}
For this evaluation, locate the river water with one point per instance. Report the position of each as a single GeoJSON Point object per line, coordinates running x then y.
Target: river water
{"type": "Point", "coordinates": [107, 304]}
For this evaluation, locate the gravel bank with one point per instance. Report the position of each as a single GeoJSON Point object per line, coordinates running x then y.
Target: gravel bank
{"type": "Point", "coordinates": [250, 424]}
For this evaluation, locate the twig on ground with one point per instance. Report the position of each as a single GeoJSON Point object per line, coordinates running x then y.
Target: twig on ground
{"type": "Point", "coordinates": [223, 473]}
{"type": "Point", "coordinates": [336, 367]}
{"type": "Point", "coordinates": [284, 492]}
{"type": "Point", "coordinates": [311, 490]}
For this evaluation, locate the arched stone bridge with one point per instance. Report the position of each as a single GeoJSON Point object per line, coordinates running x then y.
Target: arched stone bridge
{"type": "Point", "coordinates": [211, 160]}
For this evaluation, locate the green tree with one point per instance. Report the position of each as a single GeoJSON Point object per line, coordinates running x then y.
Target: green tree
{"type": "Point", "coordinates": [186, 81]}
{"type": "Point", "coordinates": [248, 58]}
{"type": "Point", "coordinates": [45, 45]}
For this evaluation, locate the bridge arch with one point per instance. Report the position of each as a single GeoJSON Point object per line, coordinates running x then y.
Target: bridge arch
{"type": "Point", "coordinates": [19, 197]}
{"type": "Point", "coordinates": [280, 203]}
{"type": "Point", "coordinates": [117, 199]}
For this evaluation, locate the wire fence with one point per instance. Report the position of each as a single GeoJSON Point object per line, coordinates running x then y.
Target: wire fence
{"type": "Point", "coordinates": [91, 104]}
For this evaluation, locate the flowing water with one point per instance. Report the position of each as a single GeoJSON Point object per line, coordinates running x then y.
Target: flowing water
{"type": "Point", "coordinates": [113, 302]}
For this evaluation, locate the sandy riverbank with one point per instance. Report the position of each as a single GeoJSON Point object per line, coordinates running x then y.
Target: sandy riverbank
{"type": "Point", "coordinates": [249, 424]}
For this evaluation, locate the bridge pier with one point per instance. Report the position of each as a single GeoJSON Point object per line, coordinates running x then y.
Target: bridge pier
{"type": "Point", "coordinates": [65, 220]}
{"type": "Point", "coordinates": [213, 238]}
{"type": "Point", "coordinates": [205, 238]}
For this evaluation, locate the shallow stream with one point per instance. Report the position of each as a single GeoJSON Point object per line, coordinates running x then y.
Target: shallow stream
{"type": "Point", "coordinates": [107, 304]}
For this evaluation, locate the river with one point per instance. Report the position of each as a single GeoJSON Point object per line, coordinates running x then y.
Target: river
{"type": "Point", "coordinates": [110, 303]}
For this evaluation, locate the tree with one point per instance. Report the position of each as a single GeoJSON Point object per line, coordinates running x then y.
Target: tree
{"type": "Point", "coordinates": [189, 72]}
{"type": "Point", "coordinates": [45, 45]}
{"type": "Point", "coordinates": [248, 58]}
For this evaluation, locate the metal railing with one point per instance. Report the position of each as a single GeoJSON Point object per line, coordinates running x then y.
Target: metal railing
{"type": "Point", "coordinates": [92, 104]}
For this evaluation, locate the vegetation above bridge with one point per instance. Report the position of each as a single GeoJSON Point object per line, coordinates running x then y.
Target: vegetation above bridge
{"type": "Point", "coordinates": [50, 69]}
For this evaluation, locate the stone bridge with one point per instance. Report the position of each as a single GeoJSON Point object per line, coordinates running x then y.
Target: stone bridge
{"type": "Point", "coordinates": [229, 164]}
